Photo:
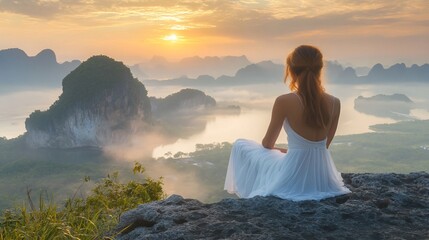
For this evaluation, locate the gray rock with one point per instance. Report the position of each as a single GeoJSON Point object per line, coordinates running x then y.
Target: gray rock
{"type": "Point", "coordinates": [381, 206]}
{"type": "Point", "coordinates": [101, 104]}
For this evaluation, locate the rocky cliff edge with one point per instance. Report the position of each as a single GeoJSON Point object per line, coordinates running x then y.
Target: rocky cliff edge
{"type": "Point", "coordinates": [381, 206]}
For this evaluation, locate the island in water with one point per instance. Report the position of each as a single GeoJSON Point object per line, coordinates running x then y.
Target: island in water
{"type": "Point", "coordinates": [395, 106]}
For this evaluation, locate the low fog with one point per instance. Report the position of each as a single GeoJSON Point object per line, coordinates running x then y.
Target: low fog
{"type": "Point", "coordinates": [140, 150]}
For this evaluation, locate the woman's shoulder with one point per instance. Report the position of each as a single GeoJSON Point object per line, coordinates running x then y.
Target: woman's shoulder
{"type": "Point", "coordinates": [332, 98]}
{"type": "Point", "coordinates": [334, 102]}
{"type": "Point", "coordinates": [287, 98]}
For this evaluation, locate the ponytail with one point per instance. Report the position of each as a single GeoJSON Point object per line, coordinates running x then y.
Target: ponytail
{"type": "Point", "coordinates": [304, 65]}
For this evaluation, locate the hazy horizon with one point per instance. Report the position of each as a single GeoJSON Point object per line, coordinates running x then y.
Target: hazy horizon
{"type": "Point", "coordinates": [357, 33]}
{"type": "Point", "coordinates": [177, 60]}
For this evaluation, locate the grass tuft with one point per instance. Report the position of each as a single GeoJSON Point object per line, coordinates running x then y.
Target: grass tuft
{"type": "Point", "coordinates": [90, 217]}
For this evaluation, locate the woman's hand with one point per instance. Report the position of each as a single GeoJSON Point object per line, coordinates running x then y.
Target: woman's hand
{"type": "Point", "coordinates": [283, 150]}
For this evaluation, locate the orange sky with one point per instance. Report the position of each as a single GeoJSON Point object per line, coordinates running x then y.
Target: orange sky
{"type": "Point", "coordinates": [355, 32]}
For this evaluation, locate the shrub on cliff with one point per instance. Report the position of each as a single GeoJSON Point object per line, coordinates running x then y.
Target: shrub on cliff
{"type": "Point", "coordinates": [89, 217]}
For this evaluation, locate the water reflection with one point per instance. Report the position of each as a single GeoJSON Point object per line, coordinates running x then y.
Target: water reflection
{"type": "Point", "coordinates": [255, 101]}
{"type": "Point", "coordinates": [249, 124]}
{"type": "Point", "coordinates": [15, 107]}
{"type": "Point", "coordinates": [254, 119]}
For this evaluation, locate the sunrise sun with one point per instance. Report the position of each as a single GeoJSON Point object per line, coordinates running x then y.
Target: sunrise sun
{"type": "Point", "coordinates": [171, 38]}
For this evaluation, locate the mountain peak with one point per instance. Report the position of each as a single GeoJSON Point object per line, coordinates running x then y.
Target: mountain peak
{"type": "Point", "coordinates": [47, 55]}
{"type": "Point", "coordinates": [376, 70]}
{"type": "Point", "coordinates": [378, 66]}
{"type": "Point", "coordinates": [12, 53]}
{"type": "Point", "coordinates": [99, 104]}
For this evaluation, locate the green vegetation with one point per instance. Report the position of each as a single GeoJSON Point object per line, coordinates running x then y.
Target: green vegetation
{"type": "Point", "coordinates": [57, 171]}
{"type": "Point", "coordinates": [400, 147]}
{"type": "Point", "coordinates": [94, 80]}
{"type": "Point", "coordinates": [91, 217]}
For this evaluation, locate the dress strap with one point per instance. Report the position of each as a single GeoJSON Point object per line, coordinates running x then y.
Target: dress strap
{"type": "Point", "coordinates": [299, 98]}
{"type": "Point", "coordinates": [333, 107]}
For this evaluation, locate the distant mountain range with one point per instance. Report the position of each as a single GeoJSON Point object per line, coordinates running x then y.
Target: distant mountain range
{"type": "Point", "coordinates": [262, 72]}
{"type": "Point", "coordinates": [17, 69]}
{"type": "Point", "coordinates": [159, 68]}
{"type": "Point", "coordinates": [269, 72]}
{"type": "Point", "coordinates": [336, 73]}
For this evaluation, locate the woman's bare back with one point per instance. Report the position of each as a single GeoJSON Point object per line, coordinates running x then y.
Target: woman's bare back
{"type": "Point", "coordinates": [290, 107]}
{"type": "Point", "coordinates": [295, 117]}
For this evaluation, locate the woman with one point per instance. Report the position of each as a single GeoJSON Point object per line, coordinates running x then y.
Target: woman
{"type": "Point", "coordinates": [304, 171]}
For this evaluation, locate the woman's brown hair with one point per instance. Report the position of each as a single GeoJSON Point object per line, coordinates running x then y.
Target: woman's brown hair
{"type": "Point", "coordinates": [304, 65]}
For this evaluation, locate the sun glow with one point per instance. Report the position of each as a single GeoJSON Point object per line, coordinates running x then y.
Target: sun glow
{"type": "Point", "coordinates": [171, 37]}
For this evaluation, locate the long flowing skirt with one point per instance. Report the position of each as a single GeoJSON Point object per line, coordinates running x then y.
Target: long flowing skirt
{"type": "Point", "coordinates": [299, 174]}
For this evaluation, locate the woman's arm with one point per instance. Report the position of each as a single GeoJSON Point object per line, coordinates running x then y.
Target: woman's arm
{"type": "Point", "coordinates": [334, 124]}
{"type": "Point", "coordinates": [278, 115]}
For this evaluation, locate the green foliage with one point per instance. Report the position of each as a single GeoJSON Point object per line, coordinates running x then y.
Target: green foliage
{"type": "Point", "coordinates": [91, 217]}
{"type": "Point", "coordinates": [398, 147]}
{"type": "Point", "coordinates": [406, 127]}
{"type": "Point", "coordinates": [58, 171]}
{"type": "Point", "coordinates": [97, 74]}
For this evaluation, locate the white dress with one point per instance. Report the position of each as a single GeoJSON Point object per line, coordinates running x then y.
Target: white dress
{"type": "Point", "coordinates": [305, 172]}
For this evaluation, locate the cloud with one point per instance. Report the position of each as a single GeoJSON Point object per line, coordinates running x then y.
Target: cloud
{"type": "Point", "coordinates": [32, 8]}
{"type": "Point", "coordinates": [261, 29]}
{"type": "Point", "coordinates": [269, 23]}
{"type": "Point", "coordinates": [237, 19]}
{"type": "Point", "coordinates": [59, 8]}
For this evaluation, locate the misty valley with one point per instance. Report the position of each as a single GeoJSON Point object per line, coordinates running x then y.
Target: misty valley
{"type": "Point", "coordinates": [244, 119]}
{"type": "Point", "coordinates": [187, 141]}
